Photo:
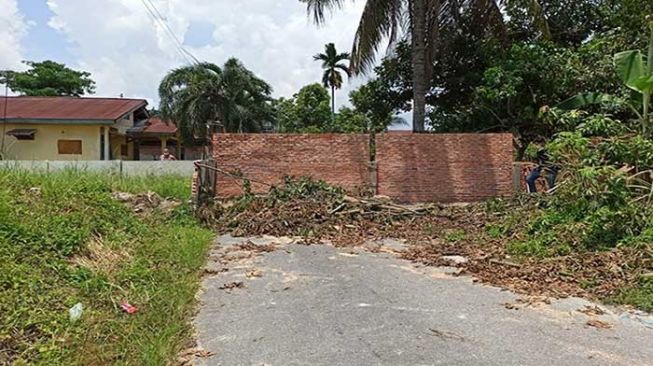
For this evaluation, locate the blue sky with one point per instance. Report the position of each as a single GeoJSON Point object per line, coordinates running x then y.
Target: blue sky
{"type": "Point", "coordinates": [128, 52]}
{"type": "Point", "coordinates": [42, 41]}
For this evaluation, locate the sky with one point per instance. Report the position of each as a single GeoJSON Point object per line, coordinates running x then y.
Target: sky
{"type": "Point", "coordinates": [128, 52]}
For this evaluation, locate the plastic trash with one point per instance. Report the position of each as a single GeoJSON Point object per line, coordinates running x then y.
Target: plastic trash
{"type": "Point", "coordinates": [76, 312]}
{"type": "Point", "coordinates": [128, 308]}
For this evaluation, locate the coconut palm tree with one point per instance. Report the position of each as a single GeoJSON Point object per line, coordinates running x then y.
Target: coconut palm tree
{"type": "Point", "coordinates": [420, 21]}
{"type": "Point", "coordinates": [332, 77]}
{"type": "Point", "coordinates": [198, 95]}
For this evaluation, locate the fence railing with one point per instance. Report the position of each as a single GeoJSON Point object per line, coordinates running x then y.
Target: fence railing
{"type": "Point", "coordinates": [118, 167]}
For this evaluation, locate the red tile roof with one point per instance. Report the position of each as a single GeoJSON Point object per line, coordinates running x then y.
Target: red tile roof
{"type": "Point", "coordinates": [157, 126]}
{"type": "Point", "coordinates": [68, 108]}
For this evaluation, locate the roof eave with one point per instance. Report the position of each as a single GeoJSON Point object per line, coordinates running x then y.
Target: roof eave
{"type": "Point", "coordinates": [53, 121]}
{"type": "Point", "coordinates": [132, 110]}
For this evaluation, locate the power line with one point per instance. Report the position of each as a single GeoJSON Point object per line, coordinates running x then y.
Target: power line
{"type": "Point", "coordinates": [156, 15]}
{"type": "Point", "coordinates": [157, 21]}
{"type": "Point", "coordinates": [153, 17]}
{"type": "Point", "coordinates": [171, 32]}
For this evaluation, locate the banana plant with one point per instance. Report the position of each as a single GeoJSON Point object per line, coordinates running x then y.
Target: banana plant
{"type": "Point", "coordinates": [636, 71]}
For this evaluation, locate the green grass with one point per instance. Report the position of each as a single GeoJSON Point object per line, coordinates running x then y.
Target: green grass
{"type": "Point", "coordinates": [639, 296]}
{"type": "Point", "coordinates": [49, 225]}
{"type": "Point", "coordinates": [455, 236]}
{"type": "Point", "coordinates": [170, 186]}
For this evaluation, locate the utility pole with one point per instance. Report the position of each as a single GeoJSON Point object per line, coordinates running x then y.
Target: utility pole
{"type": "Point", "coordinates": [4, 80]}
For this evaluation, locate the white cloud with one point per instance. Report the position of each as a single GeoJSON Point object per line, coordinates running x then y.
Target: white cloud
{"type": "Point", "coordinates": [14, 28]}
{"type": "Point", "coordinates": [128, 52]}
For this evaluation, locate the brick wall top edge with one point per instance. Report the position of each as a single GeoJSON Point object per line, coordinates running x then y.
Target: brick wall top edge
{"type": "Point", "coordinates": [264, 135]}
{"type": "Point", "coordinates": [443, 135]}
{"type": "Point", "coordinates": [385, 134]}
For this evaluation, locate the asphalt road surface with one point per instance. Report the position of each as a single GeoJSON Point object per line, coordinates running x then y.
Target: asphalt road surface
{"type": "Point", "coordinates": [320, 305]}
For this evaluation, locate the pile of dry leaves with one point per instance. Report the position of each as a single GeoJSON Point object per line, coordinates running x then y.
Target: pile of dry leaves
{"type": "Point", "coordinates": [434, 233]}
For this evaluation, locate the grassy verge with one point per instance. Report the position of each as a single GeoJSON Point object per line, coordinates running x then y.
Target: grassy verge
{"type": "Point", "coordinates": [64, 240]}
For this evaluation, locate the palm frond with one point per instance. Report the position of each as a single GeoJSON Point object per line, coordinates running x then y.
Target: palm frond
{"type": "Point", "coordinates": [317, 9]}
{"type": "Point", "coordinates": [381, 19]}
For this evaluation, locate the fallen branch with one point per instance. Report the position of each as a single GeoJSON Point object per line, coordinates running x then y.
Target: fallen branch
{"type": "Point", "coordinates": [505, 263]}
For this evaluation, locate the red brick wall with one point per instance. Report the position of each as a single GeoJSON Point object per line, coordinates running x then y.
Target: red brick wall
{"type": "Point", "coordinates": [340, 159]}
{"type": "Point", "coordinates": [444, 167]}
{"type": "Point", "coordinates": [411, 167]}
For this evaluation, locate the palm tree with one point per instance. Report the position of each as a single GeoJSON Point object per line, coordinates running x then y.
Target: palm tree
{"type": "Point", "coordinates": [190, 97]}
{"type": "Point", "coordinates": [196, 96]}
{"type": "Point", "coordinates": [331, 63]}
{"type": "Point", "coordinates": [248, 101]}
{"type": "Point", "coordinates": [421, 20]}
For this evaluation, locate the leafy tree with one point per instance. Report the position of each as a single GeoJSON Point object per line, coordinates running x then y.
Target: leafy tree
{"type": "Point", "coordinates": [49, 78]}
{"type": "Point", "coordinates": [373, 101]}
{"type": "Point", "coordinates": [199, 95]}
{"type": "Point", "coordinates": [513, 91]}
{"type": "Point", "coordinates": [307, 111]}
{"type": "Point", "coordinates": [349, 120]}
{"type": "Point", "coordinates": [331, 63]}
{"type": "Point", "coordinates": [424, 22]}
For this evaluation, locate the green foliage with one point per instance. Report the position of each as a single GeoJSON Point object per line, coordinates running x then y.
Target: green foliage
{"type": "Point", "coordinates": [502, 78]}
{"type": "Point", "coordinates": [639, 295]}
{"type": "Point", "coordinates": [595, 205]}
{"type": "Point", "coordinates": [635, 151]}
{"type": "Point", "coordinates": [167, 186]}
{"type": "Point", "coordinates": [455, 236]}
{"type": "Point", "coordinates": [495, 205]}
{"type": "Point", "coordinates": [497, 231]}
{"type": "Point", "coordinates": [536, 247]}
{"type": "Point", "coordinates": [603, 126]}
{"type": "Point", "coordinates": [528, 77]}
{"type": "Point", "coordinates": [49, 78]}
{"type": "Point", "coordinates": [64, 240]}
{"type": "Point", "coordinates": [572, 148]}
{"type": "Point", "coordinates": [197, 95]}
{"type": "Point", "coordinates": [350, 120]}
{"type": "Point", "coordinates": [303, 187]}
{"type": "Point", "coordinates": [308, 111]}
{"type": "Point", "coordinates": [636, 72]}
{"type": "Point", "coordinates": [373, 100]}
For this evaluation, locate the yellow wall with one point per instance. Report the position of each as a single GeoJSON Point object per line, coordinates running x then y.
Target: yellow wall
{"type": "Point", "coordinates": [44, 145]}
{"type": "Point", "coordinates": [116, 148]}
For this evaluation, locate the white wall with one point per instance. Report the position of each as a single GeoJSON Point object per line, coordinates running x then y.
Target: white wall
{"type": "Point", "coordinates": [120, 167]}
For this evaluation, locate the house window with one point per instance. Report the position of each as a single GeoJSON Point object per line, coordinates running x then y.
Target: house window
{"type": "Point", "coordinates": [22, 134]}
{"type": "Point", "coordinates": [124, 150]}
{"type": "Point", "coordinates": [70, 147]}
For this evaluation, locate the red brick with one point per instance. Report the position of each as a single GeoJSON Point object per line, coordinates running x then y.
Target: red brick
{"type": "Point", "coordinates": [411, 167]}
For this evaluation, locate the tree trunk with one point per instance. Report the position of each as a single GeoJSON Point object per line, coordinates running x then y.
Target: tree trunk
{"type": "Point", "coordinates": [418, 15]}
{"type": "Point", "coordinates": [333, 103]}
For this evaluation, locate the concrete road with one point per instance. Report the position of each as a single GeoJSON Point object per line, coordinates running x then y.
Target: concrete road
{"type": "Point", "coordinates": [319, 305]}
